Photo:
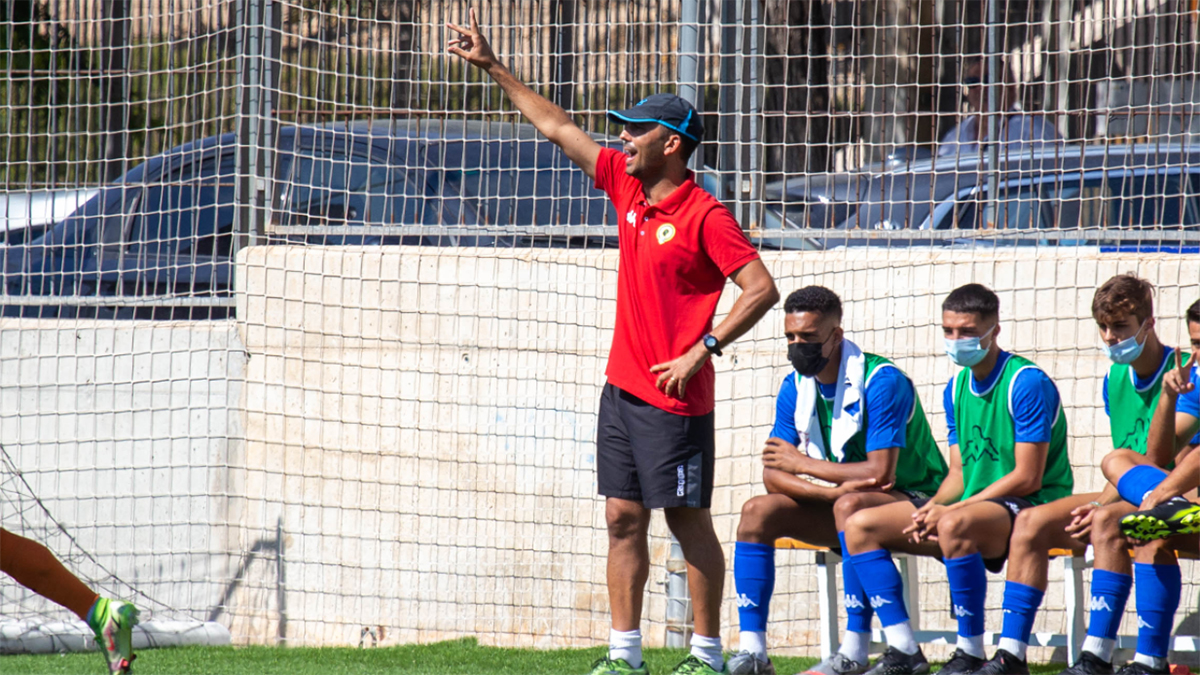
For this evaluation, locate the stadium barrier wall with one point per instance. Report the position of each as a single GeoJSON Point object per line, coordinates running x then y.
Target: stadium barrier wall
{"type": "Point", "coordinates": [419, 425]}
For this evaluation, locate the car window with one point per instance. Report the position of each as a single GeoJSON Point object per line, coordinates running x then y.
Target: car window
{"type": "Point", "coordinates": [1126, 200]}
{"type": "Point", "coordinates": [327, 185]}
{"type": "Point", "coordinates": [190, 211]}
{"type": "Point", "coordinates": [1019, 208]}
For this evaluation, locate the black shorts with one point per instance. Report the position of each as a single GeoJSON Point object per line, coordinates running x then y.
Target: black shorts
{"type": "Point", "coordinates": [648, 455]}
{"type": "Point", "coordinates": [1014, 505]}
{"type": "Point", "coordinates": [913, 495]}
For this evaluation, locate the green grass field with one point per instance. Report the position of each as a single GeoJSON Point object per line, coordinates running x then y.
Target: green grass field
{"type": "Point", "coordinates": [460, 657]}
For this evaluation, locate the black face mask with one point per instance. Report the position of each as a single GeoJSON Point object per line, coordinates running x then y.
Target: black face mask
{"type": "Point", "coordinates": [806, 357]}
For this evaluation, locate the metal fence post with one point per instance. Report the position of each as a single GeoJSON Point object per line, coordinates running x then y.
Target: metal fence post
{"type": "Point", "coordinates": [995, 80]}
{"type": "Point", "coordinates": [258, 76]}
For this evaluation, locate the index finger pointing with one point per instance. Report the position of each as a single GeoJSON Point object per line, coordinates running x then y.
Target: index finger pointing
{"type": "Point", "coordinates": [474, 21]}
{"type": "Point", "coordinates": [1179, 360]}
{"type": "Point", "coordinates": [458, 29]}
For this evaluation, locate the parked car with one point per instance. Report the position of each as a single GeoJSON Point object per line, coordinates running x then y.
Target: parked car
{"type": "Point", "coordinates": [26, 215]}
{"type": "Point", "coordinates": [1145, 189]}
{"type": "Point", "coordinates": [166, 228]}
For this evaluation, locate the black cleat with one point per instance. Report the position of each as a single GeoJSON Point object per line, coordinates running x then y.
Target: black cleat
{"type": "Point", "coordinates": [1089, 664]}
{"type": "Point", "coordinates": [896, 662]}
{"type": "Point", "coordinates": [1172, 517]}
{"type": "Point", "coordinates": [1004, 663]}
{"type": "Point", "coordinates": [962, 663]}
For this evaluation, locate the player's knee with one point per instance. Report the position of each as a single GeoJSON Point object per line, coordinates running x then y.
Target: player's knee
{"type": "Point", "coordinates": [1106, 527]}
{"type": "Point", "coordinates": [953, 528]}
{"type": "Point", "coordinates": [1116, 463]}
{"type": "Point", "coordinates": [1029, 529]}
{"type": "Point", "coordinates": [860, 532]}
{"type": "Point", "coordinates": [847, 505]}
{"type": "Point", "coordinates": [755, 519]}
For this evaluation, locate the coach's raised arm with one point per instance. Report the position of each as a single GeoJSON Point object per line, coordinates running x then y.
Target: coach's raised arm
{"type": "Point", "coordinates": [554, 122]}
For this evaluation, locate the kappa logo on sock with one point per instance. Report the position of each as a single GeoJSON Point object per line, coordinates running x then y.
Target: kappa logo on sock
{"type": "Point", "coordinates": [852, 601]}
{"type": "Point", "coordinates": [961, 611]}
{"type": "Point", "coordinates": [1097, 603]}
{"type": "Point", "coordinates": [744, 601]}
{"type": "Point", "coordinates": [878, 601]}
{"type": "Point", "coordinates": [1142, 623]}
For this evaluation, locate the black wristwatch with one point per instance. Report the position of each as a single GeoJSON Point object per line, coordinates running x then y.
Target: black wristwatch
{"type": "Point", "coordinates": [712, 344]}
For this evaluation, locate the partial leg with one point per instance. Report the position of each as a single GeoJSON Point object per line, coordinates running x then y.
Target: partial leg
{"type": "Point", "coordinates": [869, 535]}
{"type": "Point", "coordinates": [35, 567]}
{"type": "Point", "coordinates": [968, 535]}
{"type": "Point", "coordinates": [1035, 532]}
{"type": "Point", "coordinates": [693, 528]}
{"type": "Point", "coordinates": [1112, 579]}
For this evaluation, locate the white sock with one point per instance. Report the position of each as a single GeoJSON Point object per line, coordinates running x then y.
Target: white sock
{"type": "Point", "coordinates": [1101, 647]}
{"type": "Point", "coordinates": [855, 646]}
{"type": "Point", "coordinates": [626, 645]}
{"type": "Point", "coordinates": [708, 650]}
{"type": "Point", "coordinates": [972, 645]}
{"type": "Point", "coordinates": [1014, 647]}
{"type": "Point", "coordinates": [1151, 661]}
{"type": "Point", "coordinates": [900, 636]}
{"type": "Point", "coordinates": [753, 641]}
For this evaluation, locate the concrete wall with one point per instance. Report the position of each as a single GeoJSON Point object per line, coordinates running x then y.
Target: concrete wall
{"type": "Point", "coordinates": [423, 422]}
{"type": "Point", "coordinates": [419, 423]}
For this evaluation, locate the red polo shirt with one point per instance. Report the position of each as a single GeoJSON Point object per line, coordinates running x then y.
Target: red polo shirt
{"type": "Point", "coordinates": [675, 257]}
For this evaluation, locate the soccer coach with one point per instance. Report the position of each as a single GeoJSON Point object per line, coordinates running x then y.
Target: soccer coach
{"type": "Point", "coordinates": [655, 438]}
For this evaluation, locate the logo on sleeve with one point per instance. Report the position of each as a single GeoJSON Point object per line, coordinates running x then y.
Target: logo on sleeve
{"type": "Point", "coordinates": [665, 233]}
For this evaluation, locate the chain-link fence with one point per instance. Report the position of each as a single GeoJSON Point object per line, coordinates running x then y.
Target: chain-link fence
{"type": "Point", "coordinates": [145, 142]}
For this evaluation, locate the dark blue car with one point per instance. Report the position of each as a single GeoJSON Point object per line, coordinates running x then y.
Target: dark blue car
{"type": "Point", "coordinates": [166, 228]}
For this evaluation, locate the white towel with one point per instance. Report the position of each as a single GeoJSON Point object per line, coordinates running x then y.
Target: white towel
{"type": "Point", "coordinates": [847, 406]}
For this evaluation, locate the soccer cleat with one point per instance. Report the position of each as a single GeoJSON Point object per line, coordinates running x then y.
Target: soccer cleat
{"type": "Point", "coordinates": [1004, 663]}
{"type": "Point", "coordinates": [607, 666]}
{"type": "Point", "coordinates": [1136, 668]}
{"type": "Point", "coordinates": [1089, 664]}
{"type": "Point", "coordinates": [1172, 517]}
{"type": "Point", "coordinates": [112, 621]}
{"type": "Point", "coordinates": [745, 663]}
{"type": "Point", "coordinates": [962, 663]}
{"type": "Point", "coordinates": [896, 662]}
{"type": "Point", "coordinates": [694, 666]}
{"type": "Point", "coordinates": [838, 664]}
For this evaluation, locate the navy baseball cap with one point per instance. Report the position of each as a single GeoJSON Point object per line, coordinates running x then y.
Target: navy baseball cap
{"type": "Point", "coordinates": [666, 109]}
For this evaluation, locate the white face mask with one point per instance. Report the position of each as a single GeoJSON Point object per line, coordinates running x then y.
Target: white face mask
{"type": "Point", "coordinates": [966, 352]}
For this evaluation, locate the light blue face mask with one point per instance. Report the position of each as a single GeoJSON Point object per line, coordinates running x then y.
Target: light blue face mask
{"type": "Point", "coordinates": [1126, 351]}
{"type": "Point", "coordinates": [966, 352]}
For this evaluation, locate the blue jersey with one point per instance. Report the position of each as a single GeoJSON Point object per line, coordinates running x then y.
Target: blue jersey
{"type": "Point", "coordinates": [1034, 402]}
{"type": "Point", "coordinates": [888, 397]}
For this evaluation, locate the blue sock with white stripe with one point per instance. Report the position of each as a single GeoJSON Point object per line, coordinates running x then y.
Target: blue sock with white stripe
{"type": "Point", "coordinates": [1110, 592]}
{"type": "Point", "coordinates": [858, 610]}
{"type": "Point", "coordinates": [968, 593]}
{"type": "Point", "coordinates": [881, 583]}
{"type": "Point", "coordinates": [754, 579]}
{"type": "Point", "coordinates": [1021, 604]}
{"type": "Point", "coordinates": [1158, 591]}
{"type": "Point", "coordinates": [1138, 481]}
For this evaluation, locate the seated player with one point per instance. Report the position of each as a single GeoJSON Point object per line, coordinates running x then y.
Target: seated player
{"type": "Point", "coordinates": [1123, 308]}
{"type": "Point", "coordinates": [846, 417]}
{"type": "Point", "coordinates": [1008, 452]}
{"type": "Point", "coordinates": [35, 567]}
{"type": "Point", "coordinates": [1163, 523]}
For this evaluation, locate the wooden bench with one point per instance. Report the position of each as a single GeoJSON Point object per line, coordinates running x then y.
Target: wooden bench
{"type": "Point", "coordinates": [1076, 603]}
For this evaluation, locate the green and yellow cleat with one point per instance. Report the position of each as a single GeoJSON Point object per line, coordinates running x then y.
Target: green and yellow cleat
{"type": "Point", "coordinates": [112, 621]}
{"type": "Point", "coordinates": [1172, 517]}
{"type": "Point", "coordinates": [607, 666]}
{"type": "Point", "coordinates": [694, 666]}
